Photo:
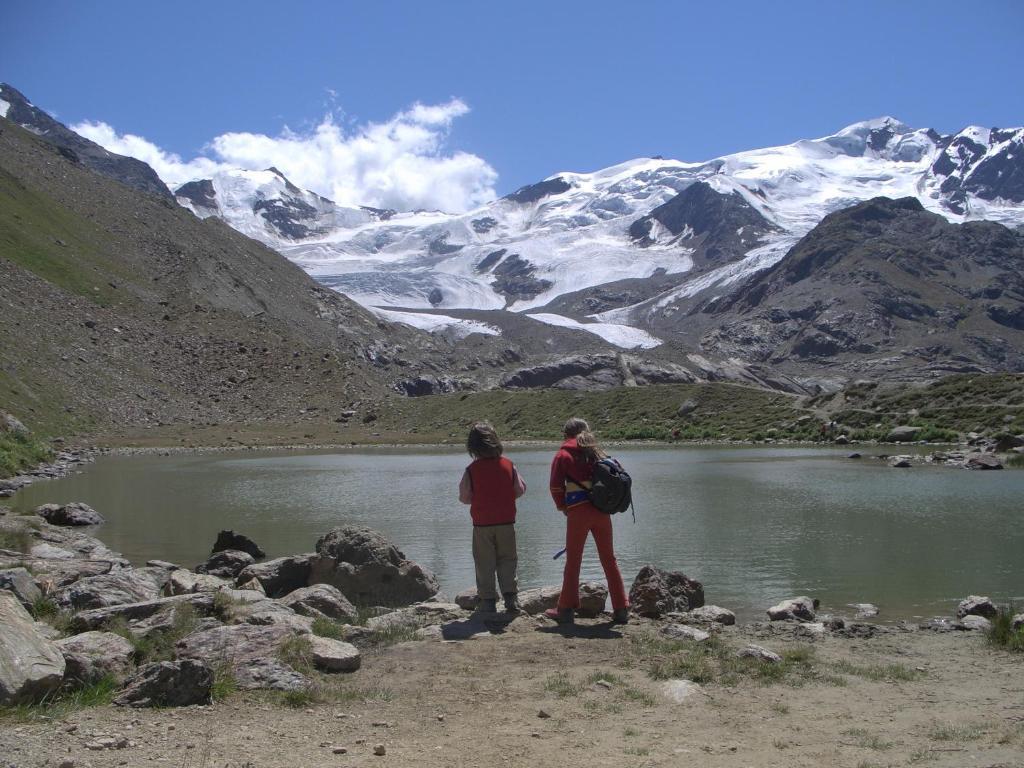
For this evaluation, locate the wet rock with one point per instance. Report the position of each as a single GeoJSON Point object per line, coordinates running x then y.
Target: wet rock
{"type": "Point", "coordinates": [903, 434]}
{"type": "Point", "coordinates": [20, 583]}
{"type": "Point", "coordinates": [168, 684]}
{"type": "Point", "coordinates": [710, 614]}
{"type": "Point", "coordinates": [796, 608]}
{"type": "Point", "coordinates": [321, 600]}
{"type": "Point", "coordinates": [854, 455]}
{"type": "Point", "coordinates": [982, 461]}
{"type": "Point", "coordinates": [226, 563]}
{"type": "Point", "coordinates": [975, 605]}
{"type": "Point", "coordinates": [900, 462]}
{"type": "Point", "coordinates": [334, 655]}
{"type": "Point", "coordinates": [31, 667]}
{"type": "Point", "coordinates": [759, 653]}
{"type": "Point", "coordinates": [93, 655]}
{"type": "Point", "coordinates": [369, 569]}
{"type": "Point", "coordinates": [73, 514]}
{"type": "Point", "coordinates": [973, 622]}
{"type": "Point", "coordinates": [683, 632]}
{"type": "Point", "coordinates": [231, 540]}
{"type": "Point", "coordinates": [656, 592]}
{"type": "Point", "coordinates": [129, 585]}
{"type": "Point", "coordinates": [864, 610]}
{"type": "Point", "coordinates": [279, 576]}
{"type": "Point", "coordinates": [937, 624]}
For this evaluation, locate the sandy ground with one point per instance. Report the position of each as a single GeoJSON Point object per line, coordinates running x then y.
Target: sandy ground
{"type": "Point", "coordinates": [478, 703]}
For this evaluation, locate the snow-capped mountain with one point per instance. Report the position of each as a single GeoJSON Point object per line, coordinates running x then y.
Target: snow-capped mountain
{"type": "Point", "coordinates": [619, 247]}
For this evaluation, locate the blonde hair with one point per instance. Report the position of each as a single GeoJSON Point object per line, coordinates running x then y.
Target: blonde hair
{"type": "Point", "coordinates": [585, 439]}
{"type": "Point", "coordinates": [483, 442]}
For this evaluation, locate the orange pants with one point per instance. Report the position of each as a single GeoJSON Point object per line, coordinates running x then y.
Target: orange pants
{"type": "Point", "coordinates": [581, 521]}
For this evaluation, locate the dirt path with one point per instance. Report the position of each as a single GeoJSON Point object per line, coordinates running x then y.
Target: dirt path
{"type": "Point", "coordinates": [900, 698]}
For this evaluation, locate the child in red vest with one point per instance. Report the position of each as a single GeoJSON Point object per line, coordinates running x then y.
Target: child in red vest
{"type": "Point", "coordinates": [491, 485]}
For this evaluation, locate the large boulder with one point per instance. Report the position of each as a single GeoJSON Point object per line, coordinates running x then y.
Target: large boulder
{"type": "Point", "coordinates": [91, 656]}
{"type": "Point", "coordinates": [369, 569]}
{"type": "Point", "coordinates": [983, 461]}
{"type": "Point", "coordinates": [321, 600]}
{"type": "Point", "coordinates": [231, 540]}
{"type": "Point", "coordinates": [20, 583]}
{"type": "Point", "coordinates": [169, 684]}
{"type": "Point", "coordinates": [76, 513]}
{"type": "Point", "coordinates": [656, 592]}
{"type": "Point", "coordinates": [794, 609]}
{"type": "Point", "coordinates": [128, 585]}
{"type": "Point", "coordinates": [903, 434]}
{"type": "Point", "coordinates": [975, 605]}
{"type": "Point", "coordinates": [279, 576]}
{"type": "Point", "coordinates": [227, 563]}
{"type": "Point", "coordinates": [31, 667]}
{"type": "Point", "coordinates": [236, 643]}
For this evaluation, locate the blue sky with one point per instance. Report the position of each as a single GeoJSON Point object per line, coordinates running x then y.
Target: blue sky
{"type": "Point", "coordinates": [548, 86]}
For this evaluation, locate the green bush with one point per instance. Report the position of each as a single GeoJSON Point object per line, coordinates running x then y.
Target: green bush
{"type": "Point", "coordinates": [1002, 633]}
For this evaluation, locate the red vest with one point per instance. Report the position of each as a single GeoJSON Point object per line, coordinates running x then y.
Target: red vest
{"type": "Point", "coordinates": [494, 494]}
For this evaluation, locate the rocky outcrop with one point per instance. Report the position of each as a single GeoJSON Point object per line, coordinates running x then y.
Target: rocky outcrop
{"type": "Point", "coordinates": [73, 514]}
{"type": "Point", "coordinates": [279, 576]}
{"type": "Point", "coordinates": [369, 569]}
{"type": "Point", "coordinates": [128, 585]}
{"type": "Point", "coordinates": [656, 592]}
{"type": "Point", "coordinates": [321, 600]}
{"type": "Point", "coordinates": [20, 583]}
{"type": "Point", "coordinates": [269, 674]}
{"type": "Point", "coordinates": [226, 563]}
{"type": "Point", "coordinates": [975, 605]}
{"type": "Point", "coordinates": [97, 618]}
{"type": "Point", "coordinates": [91, 656]}
{"type": "Point", "coordinates": [237, 541]}
{"type": "Point", "coordinates": [794, 609]}
{"type": "Point", "coordinates": [169, 684]}
{"type": "Point", "coordinates": [31, 667]}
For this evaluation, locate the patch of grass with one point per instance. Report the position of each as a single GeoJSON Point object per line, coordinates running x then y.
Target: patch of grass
{"type": "Point", "coordinates": [630, 732]}
{"type": "Point", "coordinates": [157, 645]}
{"type": "Point", "coordinates": [324, 627]}
{"type": "Point", "coordinates": [862, 738]}
{"type": "Point", "coordinates": [224, 681]}
{"type": "Point", "coordinates": [1002, 633]}
{"type": "Point", "coordinates": [954, 732]}
{"type": "Point", "coordinates": [223, 604]}
{"type": "Point", "coordinates": [562, 686]}
{"type": "Point", "coordinates": [330, 691]}
{"type": "Point", "coordinates": [19, 451]}
{"type": "Point", "coordinates": [638, 751]}
{"type": "Point", "coordinates": [609, 677]}
{"type": "Point", "coordinates": [45, 609]}
{"type": "Point", "coordinates": [779, 708]}
{"type": "Point", "coordinates": [383, 638]}
{"type": "Point", "coordinates": [879, 672]}
{"type": "Point", "coordinates": [64, 702]}
{"type": "Point", "coordinates": [16, 539]}
{"type": "Point", "coordinates": [637, 696]}
{"type": "Point", "coordinates": [297, 653]}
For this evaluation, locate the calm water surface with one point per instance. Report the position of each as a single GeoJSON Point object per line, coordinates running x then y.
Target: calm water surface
{"type": "Point", "coordinates": [753, 524]}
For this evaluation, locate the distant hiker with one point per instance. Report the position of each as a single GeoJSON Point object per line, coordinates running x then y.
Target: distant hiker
{"type": "Point", "coordinates": [491, 485]}
{"type": "Point", "coordinates": [571, 473]}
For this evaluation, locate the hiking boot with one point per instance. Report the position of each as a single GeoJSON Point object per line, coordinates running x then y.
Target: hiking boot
{"type": "Point", "coordinates": [489, 605]}
{"type": "Point", "coordinates": [561, 615]}
{"type": "Point", "coordinates": [512, 603]}
{"type": "Point", "coordinates": [620, 616]}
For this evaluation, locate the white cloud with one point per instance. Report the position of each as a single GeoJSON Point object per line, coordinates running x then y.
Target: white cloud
{"type": "Point", "coordinates": [402, 163]}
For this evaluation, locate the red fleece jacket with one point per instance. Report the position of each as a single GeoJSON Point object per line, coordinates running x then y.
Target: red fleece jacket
{"type": "Point", "coordinates": [571, 474]}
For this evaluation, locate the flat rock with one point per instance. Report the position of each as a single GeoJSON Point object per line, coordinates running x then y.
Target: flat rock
{"type": "Point", "coordinates": [93, 655]}
{"type": "Point", "coordinates": [334, 655]}
{"type": "Point", "coordinates": [169, 684]}
{"type": "Point", "coordinates": [280, 575]}
{"type": "Point", "coordinates": [809, 629]}
{"type": "Point", "coordinates": [269, 674]}
{"type": "Point", "coordinates": [678, 691]}
{"type": "Point", "coordinates": [31, 667]}
{"type": "Point", "coordinates": [656, 592]}
{"type": "Point", "coordinates": [976, 605]}
{"type": "Point", "coordinates": [535, 601]}
{"type": "Point", "coordinates": [128, 585]}
{"type": "Point", "coordinates": [74, 514]}
{"type": "Point", "coordinates": [20, 583]}
{"type": "Point", "coordinates": [710, 614]}
{"type": "Point", "coordinates": [760, 653]}
{"type": "Point", "coordinates": [793, 609]}
{"type": "Point", "coordinates": [973, 623]}
{"type": "Point", "coordinates": [321, 601]}
{"type": "Point", "coordinates": [902, 434]}
{"type": "Point", "coordinates": [369, 569]}
{"type": "Point", "coordinates": [236, 643]}
{"type": "Point", "coordinates": [683, 632]}
{"type": "Point", "coordinates": [97, 618]}
{"type": "Point", "coordinates": [231, 540]}
{"type": "Point", "coordinates": [982, 461]}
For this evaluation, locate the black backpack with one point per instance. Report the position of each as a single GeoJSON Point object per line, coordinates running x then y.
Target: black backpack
{"type": "Point", "coordinates": [611, 490]}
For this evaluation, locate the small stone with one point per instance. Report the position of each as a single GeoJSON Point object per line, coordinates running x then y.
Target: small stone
{"type": "Point", "coordinates": [535, 735]}
{"type": "Point", "coordinates": [340, 750]}
{"type": "Point", "coordinates": [379, 750]}
{"type": "Point", "coordinates": [683, 632]}
{"type": "Point", "coordinates": [542, 714]}
{"type": "Point", "coordinates": [440, 718]}
{"type": "Point", "coordinates": [66, 764]}
{"type": "Point", "coordinates": [604, 684]}
{"type": "Point", "coordinates": [759, 653]}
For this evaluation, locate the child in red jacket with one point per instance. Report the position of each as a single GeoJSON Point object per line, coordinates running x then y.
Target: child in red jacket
{"type": "Point", "coordinates": [571, 473]}
{"type": "Point", "coordinates": [491, 485]}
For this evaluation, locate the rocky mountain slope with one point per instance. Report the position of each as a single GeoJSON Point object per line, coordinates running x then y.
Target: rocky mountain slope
{"type": "Point", "coordinates": [617, 251]}
{"type": "Point", "coordinates": [122, 308]}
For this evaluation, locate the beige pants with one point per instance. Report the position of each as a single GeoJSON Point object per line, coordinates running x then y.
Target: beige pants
{"type": "Point", "coordinates": [494, 551]}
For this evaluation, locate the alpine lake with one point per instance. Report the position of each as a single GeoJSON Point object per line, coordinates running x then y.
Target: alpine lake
{"type": "Point", "coordinates": [754, 524]}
